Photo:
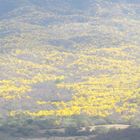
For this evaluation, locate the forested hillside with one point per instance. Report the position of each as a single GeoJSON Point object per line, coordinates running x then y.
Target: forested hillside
{"type": "Point", "coordinates": [74, 61]}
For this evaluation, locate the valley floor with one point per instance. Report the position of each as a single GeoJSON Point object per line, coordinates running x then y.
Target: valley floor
{"type": "Point", "coordinates": [6, 136]}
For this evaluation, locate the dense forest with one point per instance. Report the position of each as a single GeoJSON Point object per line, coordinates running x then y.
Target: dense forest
{"type": "Point", "coordinates": [69, 69]}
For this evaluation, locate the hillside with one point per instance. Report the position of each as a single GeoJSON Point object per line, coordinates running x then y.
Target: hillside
{"type": "Point", "coordinates": [70, 58]}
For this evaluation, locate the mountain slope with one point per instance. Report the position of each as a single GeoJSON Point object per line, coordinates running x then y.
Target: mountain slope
{"type": "Point", "coordinates": [66, 58]}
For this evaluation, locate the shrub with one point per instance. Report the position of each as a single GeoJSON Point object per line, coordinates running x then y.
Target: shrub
{"type": "Point", "coordinates": [71, 131]}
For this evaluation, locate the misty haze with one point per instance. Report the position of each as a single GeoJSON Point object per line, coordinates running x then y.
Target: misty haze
{"type": "Point", "coordinates": [69, 69]}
